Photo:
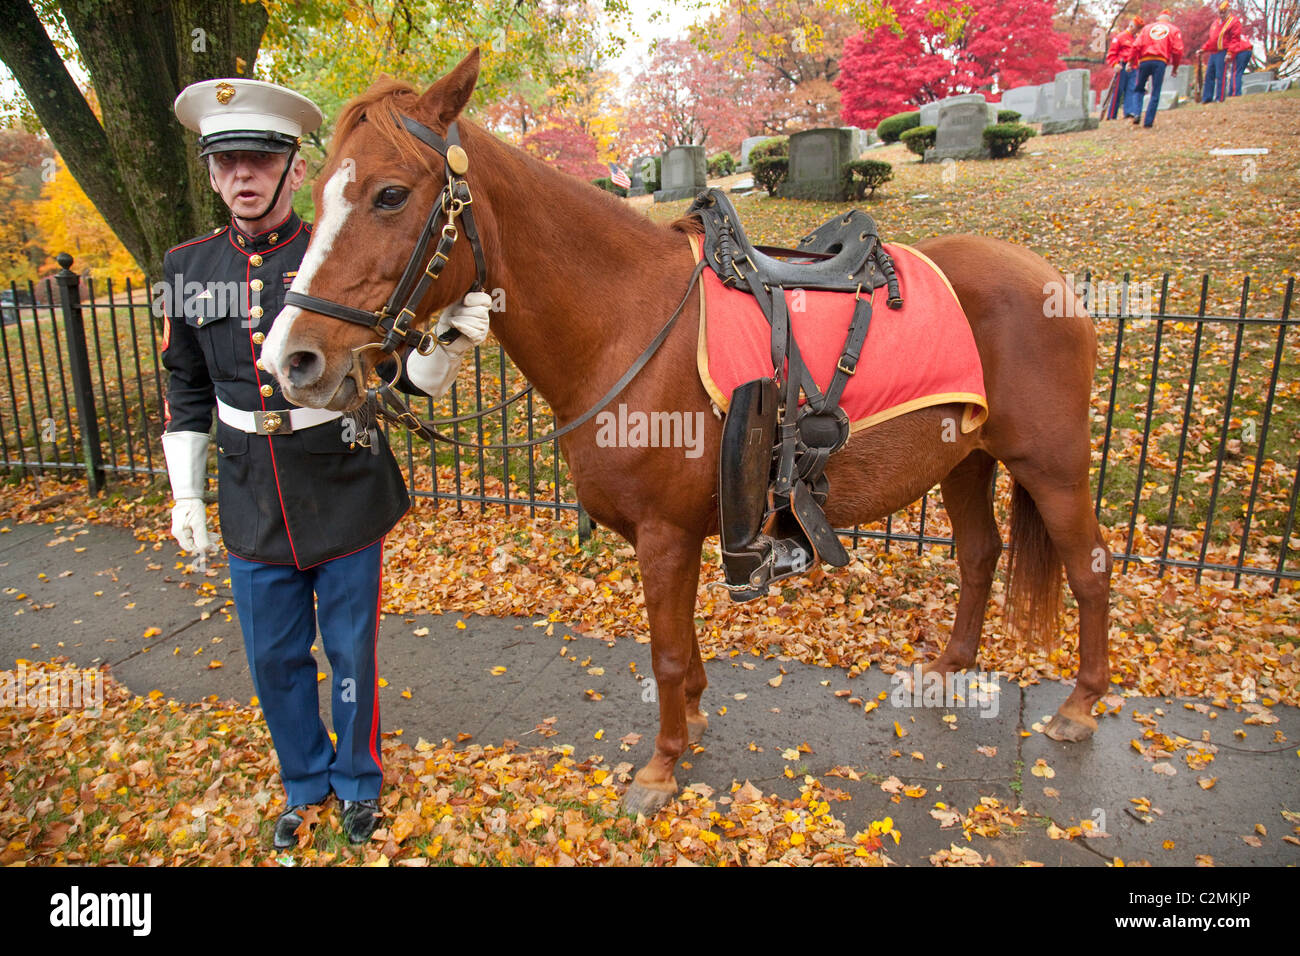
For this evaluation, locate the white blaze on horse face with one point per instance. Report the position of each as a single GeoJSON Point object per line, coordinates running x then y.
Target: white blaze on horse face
{"type": "Point", "coordinates": [334, 211]}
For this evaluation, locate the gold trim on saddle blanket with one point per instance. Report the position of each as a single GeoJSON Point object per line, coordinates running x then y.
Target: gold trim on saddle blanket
{"type": "Point", "coordinates": [976, 411]}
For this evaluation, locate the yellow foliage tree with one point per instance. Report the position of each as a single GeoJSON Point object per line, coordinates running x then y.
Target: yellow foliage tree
{"type": "Point", "coordinates": [68, 222]}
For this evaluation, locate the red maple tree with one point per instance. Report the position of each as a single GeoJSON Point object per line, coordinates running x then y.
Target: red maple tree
{"type": "Point", "coordinates": [566, 146]}
{"type": "Point", "coordinates": [941, 48]}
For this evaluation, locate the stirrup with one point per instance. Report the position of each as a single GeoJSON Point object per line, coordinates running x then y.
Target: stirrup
{"type": "Point", "coordinates": [766, 561]}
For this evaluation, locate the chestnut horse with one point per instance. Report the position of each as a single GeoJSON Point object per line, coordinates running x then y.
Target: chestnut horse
{"type": "Point", "coordinates": [588, 282]}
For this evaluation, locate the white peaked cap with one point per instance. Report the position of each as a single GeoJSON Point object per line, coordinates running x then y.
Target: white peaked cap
{"type": "Point", "coordinates": [239, 114]}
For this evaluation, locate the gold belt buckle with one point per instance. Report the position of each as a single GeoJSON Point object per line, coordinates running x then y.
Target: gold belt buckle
{"type": "Point", "coordinates": [273, 423]}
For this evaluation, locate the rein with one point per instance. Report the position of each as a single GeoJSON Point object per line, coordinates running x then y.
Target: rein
{"type": "Point", "coordinates": [428, 429]}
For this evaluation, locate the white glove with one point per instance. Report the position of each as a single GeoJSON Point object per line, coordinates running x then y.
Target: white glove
{"type": "Point", "coordinates": [434, 373]}
{"type": "Point", "coordinates": [190, 526]}
{"type": "Point", "coordinates": [187, 466]}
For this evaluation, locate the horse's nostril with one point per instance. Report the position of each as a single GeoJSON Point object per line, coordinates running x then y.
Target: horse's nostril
{"type": "Point", "coordinates": [305, 368]}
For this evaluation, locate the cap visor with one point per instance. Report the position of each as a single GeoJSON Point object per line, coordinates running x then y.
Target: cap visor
{"type": "Point", "coordinates": [245, 143]}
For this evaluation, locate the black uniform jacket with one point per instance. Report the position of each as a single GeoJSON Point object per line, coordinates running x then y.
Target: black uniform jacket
{"type": "Point", "coordinates": [300, 498]}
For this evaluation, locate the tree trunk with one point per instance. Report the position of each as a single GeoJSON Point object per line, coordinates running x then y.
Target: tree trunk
{"type": "Point", "coordinates": [140, 166]}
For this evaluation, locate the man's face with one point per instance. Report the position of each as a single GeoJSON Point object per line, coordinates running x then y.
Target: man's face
{"type": "Point", "coordinates": [246, 181]}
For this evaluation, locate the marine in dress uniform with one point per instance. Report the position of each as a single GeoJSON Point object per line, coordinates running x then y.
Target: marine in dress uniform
{"type": "Point", "coordinates": [1224, 36]}
{"type": "Point", "coordinates": [1157, 46]}
{"type": "Point", "coordinates": [303, 508]}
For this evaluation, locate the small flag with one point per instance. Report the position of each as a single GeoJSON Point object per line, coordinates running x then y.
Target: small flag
{"type": "Point", "coordinates": [620, 178]}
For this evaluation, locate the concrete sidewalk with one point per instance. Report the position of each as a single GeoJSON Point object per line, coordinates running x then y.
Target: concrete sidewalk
{"type": "Point", "coordinates": [103, 590]}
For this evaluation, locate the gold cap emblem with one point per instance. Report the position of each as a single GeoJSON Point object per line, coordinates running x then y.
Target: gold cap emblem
{"type": "Point", "coordinates": [225, 93]}
{"type": "Point", "coordinates": [458, 160]}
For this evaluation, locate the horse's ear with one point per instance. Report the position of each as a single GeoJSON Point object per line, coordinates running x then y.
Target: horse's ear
{"type": "Point", "coordinates": [446, 98]}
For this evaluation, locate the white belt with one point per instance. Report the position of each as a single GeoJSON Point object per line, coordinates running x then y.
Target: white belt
{"type": "Point", "coordinates": [282, 422]}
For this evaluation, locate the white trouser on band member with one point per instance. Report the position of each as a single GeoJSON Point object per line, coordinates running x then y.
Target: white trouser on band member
{"type": "Point", "coordinates": [299, 418]}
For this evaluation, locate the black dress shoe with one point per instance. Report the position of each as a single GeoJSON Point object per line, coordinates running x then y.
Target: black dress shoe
{"type": "Point", "coordinates": [360, 817]}
{"type": "Point", "coordinates": [289, 821]}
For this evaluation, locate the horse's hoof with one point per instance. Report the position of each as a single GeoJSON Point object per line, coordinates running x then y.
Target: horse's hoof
{"type": "Point", "coordinates": [648, 799]}
{"type": "Point", "coordinates": [696, 726]}
{"type": "Point", "coordinates": [1069, 730]}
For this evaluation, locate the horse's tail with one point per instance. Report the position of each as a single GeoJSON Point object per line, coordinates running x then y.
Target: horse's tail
{"type": "Point", "coordinates": [1033, 604]}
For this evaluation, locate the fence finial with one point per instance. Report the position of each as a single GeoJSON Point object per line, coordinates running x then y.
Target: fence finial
{"type": "Point", "coordinates": [64, 260]}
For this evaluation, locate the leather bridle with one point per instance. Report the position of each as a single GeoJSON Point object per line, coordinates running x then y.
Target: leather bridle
{"type": "Point", "coordinates": [393, 320]}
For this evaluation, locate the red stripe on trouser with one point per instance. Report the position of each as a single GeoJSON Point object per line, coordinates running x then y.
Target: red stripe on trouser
{"type": "Point", "coordinates": [374, 711]}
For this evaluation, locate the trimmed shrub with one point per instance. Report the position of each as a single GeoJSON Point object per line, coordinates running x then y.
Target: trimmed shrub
{"type": "Point", "coordinates": [919, 138]}
{"type": "Point", "coordinates": [892, 127]}
{"type": "Point", "coordinates": [862, 176]}
{"type": "Point", "coordinates": [721, 164]}
{"type": "Point", "coordinates": [776, 146]}
{"type": "Point", "coordinates": [1008, 116]}
{"type": "Point", "coordinates": [770, 172]}
{"type": "Point", "coordinates": [607, 184]}
{"type": "Point", "coordinates": [1005, 138]}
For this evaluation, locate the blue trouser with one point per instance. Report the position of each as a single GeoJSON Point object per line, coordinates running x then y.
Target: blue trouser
{"type": "Point", "coordinates": [1132, 98]}
{"type": "Point", "coordinates": [1214, 78]}
{"type": "Point", "coordinates": [278, 618]}
{"type": "Point", "coordinates": [1239, 64]}
{"type": "Point", "coordinates": [1121, 93]}
{"type": "Point", "coordinates": [1155, 71]}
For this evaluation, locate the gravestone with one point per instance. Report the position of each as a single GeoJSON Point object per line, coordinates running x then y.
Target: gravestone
{"type": "Point", "coordinates": [816, 156]}
{"type": "Point", "coordinates": [1043, 108]}
{"type": "Point", "coordinates": [1173, 92]}
{"type": "Point", "coordinates": [1024, 100]}
{"type": "Point", "coordinates": [858, 140]}
{"type": "Point", "coordinates": [747, 144]}
{"type": "Point", "coordinates": [930, 111]}
{"type": "Point", "coordinates": [1279, 86]}
{"type": "Point", "coordinates": [1258, 82]}
{"type": "Point", "coordinates": [1070, 98]}
{"type": "Point", "coordinates": [960, 135]}
{"type": "Point", "coordinates": [643, 171]}
{"type": "Point", "coordinates": [683, 173]}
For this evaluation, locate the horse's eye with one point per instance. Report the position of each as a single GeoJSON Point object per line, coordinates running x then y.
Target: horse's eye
{"type": "Point", "coordinates": [393, 197]}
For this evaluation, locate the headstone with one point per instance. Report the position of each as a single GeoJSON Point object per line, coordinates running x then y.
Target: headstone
{"type": "Point", "coordinates": [1043, 110]}
{"type": "Point", "coordinates": [683, 173]}
{"type": "Point", "coordinates": [859, 140]}
{"type": "Point", "coordinates": [1070, 100]}
{"type": "Point", "coordinates": [930, 114]}
{"type": "Point", "coordinates": [1173, 92]}
{"type": "Point", "coordinates": [1024, 100]}
{"type": "Point", "coordinates": [643, 171]}
{"type": "Point", "coordinates": [1258, 82]}
{"type": "Point", "coordinates": [746, 144]}
{"type": "Point", "coordinates": [1279, 86]}
{"type": "Point", "coordinates": [960, 135]}
{"type": "Point", "coordinates": [816, 156]}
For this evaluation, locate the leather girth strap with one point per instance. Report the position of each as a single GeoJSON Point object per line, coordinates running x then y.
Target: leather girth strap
{"type": "Point", "coordinates": [844, 255]}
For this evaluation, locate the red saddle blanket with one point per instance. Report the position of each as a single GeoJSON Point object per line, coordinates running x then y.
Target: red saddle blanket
{"type": "Point", "coordinates": [923, 354]}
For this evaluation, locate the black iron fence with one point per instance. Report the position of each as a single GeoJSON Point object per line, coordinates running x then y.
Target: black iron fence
{"type": "Point", "coordinates": [1196, 422]}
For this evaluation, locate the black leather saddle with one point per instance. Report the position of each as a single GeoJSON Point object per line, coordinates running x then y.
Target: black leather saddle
{"type": "Point", "coordinates": [843, 255]}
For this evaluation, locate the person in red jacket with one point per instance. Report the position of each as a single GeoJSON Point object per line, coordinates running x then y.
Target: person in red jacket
{"type": "Point", "coordinates": [1224, 34]}
{"type": "Point", "coordinates": [1158, 46]}
{"type": "Point", "coordinates": [1118, 56]}
{"type": "Point", "coordinates": [1240, 53]}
